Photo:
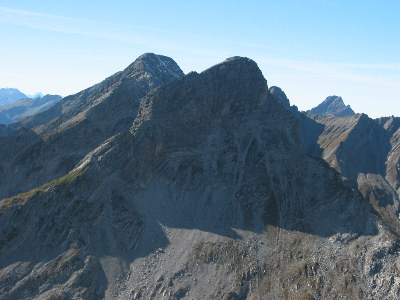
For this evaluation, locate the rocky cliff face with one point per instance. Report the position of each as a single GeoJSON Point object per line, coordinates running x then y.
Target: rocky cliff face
{"type": "Point", "coordinates": [206, 194]}
{"type": "Point", "coordinates": [332, 105]}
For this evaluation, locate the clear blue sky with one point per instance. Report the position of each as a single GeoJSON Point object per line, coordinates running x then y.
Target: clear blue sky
{"type": "Point", "coordinates": [311, 49]}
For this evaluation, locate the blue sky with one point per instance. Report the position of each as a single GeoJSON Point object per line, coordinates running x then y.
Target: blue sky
{"type": "Point", "coordinates": [311, 49]}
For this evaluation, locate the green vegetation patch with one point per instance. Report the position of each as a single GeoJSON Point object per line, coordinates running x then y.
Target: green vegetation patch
{"type": "Point", "coordinates": [21, 199]}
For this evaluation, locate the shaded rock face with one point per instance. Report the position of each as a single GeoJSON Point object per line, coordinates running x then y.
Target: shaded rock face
{"type": "Point", "coordinates": [220, 128]}
{"type": "Point", "coordinates": [206, 193]}
{"type": "Point", "coordinates": [357, 144]}
{"type": "Point", "coordinates": [366, 153]}
{"type": "Point", "coordinates": [332, 105]}
{"type": "Point", "coordinates": [392, 127]}
{"type": "Point", "coordinates": [353, 144]}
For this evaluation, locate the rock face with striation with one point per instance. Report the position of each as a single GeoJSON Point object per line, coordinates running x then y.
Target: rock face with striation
{"type": "Point", "coordinates": [205, 192]}
{"type": "Point", "coordinates": [332, 105]}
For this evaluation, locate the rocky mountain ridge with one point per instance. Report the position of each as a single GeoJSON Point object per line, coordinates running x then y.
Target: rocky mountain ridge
{"type": "Point", "coordinates": [213, 187]}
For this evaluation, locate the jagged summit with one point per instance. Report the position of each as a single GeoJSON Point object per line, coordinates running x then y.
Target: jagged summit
{"type": "Point", "coordinates": [332, 105]}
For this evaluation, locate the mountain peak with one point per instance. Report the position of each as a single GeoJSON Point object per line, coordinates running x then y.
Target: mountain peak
{"type": "Point", "coordinates": [153, 70]}
{"type": "Point", "coordinates": [239, 60]}
{"type": "Point", "coordinates": [242, 68]}
{"type": "Point", "coordinates": [332, 105]}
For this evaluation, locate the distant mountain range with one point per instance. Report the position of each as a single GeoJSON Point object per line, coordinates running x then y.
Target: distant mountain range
{"type": "Point", "coordinates": [153, 184]}
{"type": "Point", "coordinates": [26, 107]}
{"type": "Point", "coordinates": [8, 96]}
